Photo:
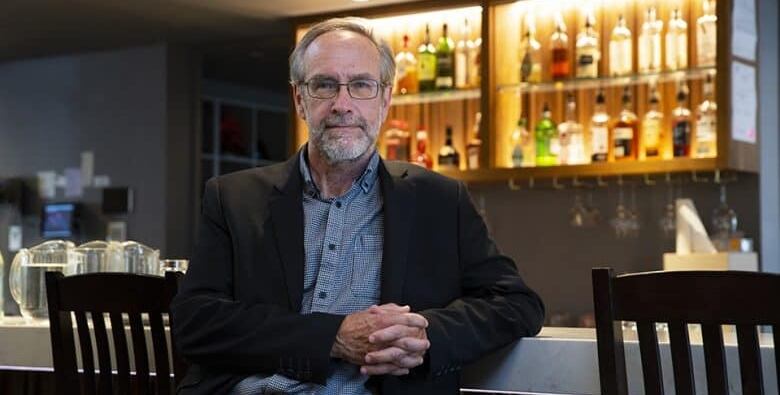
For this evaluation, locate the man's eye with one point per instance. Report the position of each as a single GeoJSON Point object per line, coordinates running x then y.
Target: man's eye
{"type": "Point", "coordinates": [361, 84]}
{"type": "Point", "coordinates": [325, 85]}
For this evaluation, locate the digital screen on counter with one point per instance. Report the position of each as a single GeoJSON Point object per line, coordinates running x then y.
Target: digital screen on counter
{"type": "Point", "coordinates": [59, 220]}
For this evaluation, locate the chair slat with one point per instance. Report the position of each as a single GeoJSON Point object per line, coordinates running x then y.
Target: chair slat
{"type": "Point", "coordinates": [87, 353]}
{"type": "Point", "coordinates": [120, 352]}
{"type": "Point", "coordinates": [140, 353]}
{"type": "Point", "coordinates": [104, 353]}
{"type": "Point", "coordinates": [749, 360]}
{"type": "Point", "coordinates": [681, 358]}
{"type": "Point", "coordinates": [651, 360]}
{"type": "Point", "coordinates": [609, 335]}
{"type": "Point", "coordinates": [776, 337]}
{"type": "Point", "coordinates": [715, 359]}
{"type": "Point", "coordinates": [161, 361]}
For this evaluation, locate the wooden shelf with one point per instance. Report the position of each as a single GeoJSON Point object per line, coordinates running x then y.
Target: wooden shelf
{"type": "Point", "coordinates": [605, 169]}
{"type": "Point", "coordinates": [608, 82]}
{"type": "Point", "coordinates": [435, 97]}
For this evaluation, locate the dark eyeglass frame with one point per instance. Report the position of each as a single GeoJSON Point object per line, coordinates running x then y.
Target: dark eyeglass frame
{"type": "Point", "coordinates": [377, 84]}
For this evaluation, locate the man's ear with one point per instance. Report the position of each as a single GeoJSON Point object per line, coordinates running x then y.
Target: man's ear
{"type": "Point", "coordinates": [298, 99]}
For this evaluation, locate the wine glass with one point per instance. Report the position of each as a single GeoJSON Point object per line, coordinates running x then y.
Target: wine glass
{"type": "Point", "coordinates": [578, 213]}
{"type": "Point", "coordinates": [668, 220]}
{"type": "Point", "coordinates": [724, 221]}
{"type": "Point", "coordinates": [621, 221]}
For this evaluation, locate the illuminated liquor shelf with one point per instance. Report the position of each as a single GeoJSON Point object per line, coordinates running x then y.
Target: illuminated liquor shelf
{"type": "Point", "coordinates": [436, 96]}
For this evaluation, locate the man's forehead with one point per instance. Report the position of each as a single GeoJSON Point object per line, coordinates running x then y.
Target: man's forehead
{"type": "Point", "coordinates": [341, 52]}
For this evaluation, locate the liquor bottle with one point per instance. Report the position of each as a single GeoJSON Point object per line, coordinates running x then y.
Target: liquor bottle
{"type": "Point", "coordinates": [621, 51]}
{"type": "Point", "coordinates": [449, 158]}
{"type": "Point", "coordinates": [519, 135]}
{"type": "Point", "coordinates": [397, 141]}
{"type": "Point", "coordinates": [599, 130]}
{"type": "Point", "coordinates": [652, 125]}
{"type": "Point", "coordinates": [625, 142]}
{"type": "Point", "coordinates": [707, 124]}
{"type": "Point", "coordinates": [463, 50]}
{"type": "Point", "coordinates": [475, 145]}
{"type": "Point", "coordinates": [650, 43]}
{"type": "Point", "coordinates": [530, 54]}
{"type": "Point", "coordinates": [677, 42]}
{"type": "Point", "coordinates": [422, 157]}
{"type": "Point", "coordinates": [588, 52]}
{"type": "Point", "coordinates": [427, 63]}
{"type": "Point", "coordinates": [681, 125]}
{"type": "Point", "coordinates": [474, 60]}
{"type": "Point", "coordinates": [445, 61]}
{"type": "Point", "coordinates": [405, 70]}
{"type": "Point", "coordinates": [570, 135]}
{"type": "Point", "coordinates": [547, 144]}
{"type": "Point", "coordinates": [560, 50]}
{"type": "Point", "coordinates": [706, 35]}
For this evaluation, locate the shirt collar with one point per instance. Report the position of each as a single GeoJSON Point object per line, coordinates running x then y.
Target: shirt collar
{"type": "Point", "coordinates": [365, 181]}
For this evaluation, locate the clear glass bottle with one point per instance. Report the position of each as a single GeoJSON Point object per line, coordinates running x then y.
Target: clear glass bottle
{"type": "Point", "coordinates": [475, 62]}
{"type": "Point", "coordinates": [516, 157]}
{"type": "Point", "coordinates": [449, 158]}
{"type": "Point", "coordinates": [599, 130]}
{"type": "Point", "coordinates": [405, 70]}
{"type": "Point", "coordinates": [474, 145]}
{"type": "Point", "coordinates": [530, 54]}
{"type": "Point", "coordinates": [650, 43]}
{"type": "Point", "coordinates": [625, 142]}
{"type": "Point", "coordinates": [706, 35]}
{"type": "Point", "coordinates": [707, 123]}
{"type": "Point", "coordinates": [547, 145]}
{"type": "Point", "coordinates": [652, 127]}
{"type": "Point", "coordinates": [570, 136]}
{"type": "Point", "coordinates": [560, 50]}
{"type": "Point", "coordinates": [677, 42]}
{"type": "Point", "coordinates": [621, 49]}
{"type": "Point", "coordinates": [462, 51]}
{"type": "Point", "coordinates": [681, 125]}
{"type": "Point", "coordinates": [421, 157]}
{"type": "Point", "coordinates": [445, 61]}
{"type": "Point", "coordinates": [588, 51]}
{"type": "Point", "coordinates": [427, 63]}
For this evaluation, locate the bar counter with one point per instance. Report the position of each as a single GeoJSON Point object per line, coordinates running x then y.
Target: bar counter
{"type": "Point", "coordinates": [557, 361]}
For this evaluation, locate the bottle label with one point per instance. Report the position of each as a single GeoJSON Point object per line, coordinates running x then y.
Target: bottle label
{"type": "Point", "coordinates": [473, 158]}
{"type": "Point", "coordinates": [624, 133]}
{"type": "Point", "coordinates": [444, 72]}
{"type": "Point", "coordinates": [427, 67]}
{"type": "Point", "coordinates": [652, 133]}
{"type": "Point", "coordinates": [599, 134]}
{"type": "Point", "coordinates": [461, 69]}
{"type": "Point", "coordinates": [706, 45]}
{"type": "Point", "coordinates": [705, 129]}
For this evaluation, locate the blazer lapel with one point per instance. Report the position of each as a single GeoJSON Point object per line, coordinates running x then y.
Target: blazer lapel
{"type": "Point", "coordinates": [399, 210]}
{"type": "Point", "coordinates": [287, 215]}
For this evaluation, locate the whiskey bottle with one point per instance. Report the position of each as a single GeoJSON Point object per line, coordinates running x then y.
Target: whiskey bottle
{"type": "Point", "coordinates": [445, 61]}
{"type": "Point", "coordinates": [621, 49]}
{"type": "Point", "coordinates": [449, 158]}
{"type": "Point", "coordinates": [427, 63]}
{"type": "Point", "coordinates": [650, 43]}
{"type": "Point", "coordinates": [652, 125]}
{"type": "Point", "coordinates": [706, 35]}
{"type": "Point", "coordinates": [560, 50]}
{"type": "Point", "coordinates": [474, 146]}
{"type": "Point", "coordinates": [547, 145]}
{"type": "Point", "coordinates": [677, 42]}
{"type": "Point", "coordinates": [588, 52]}
{"type": "Point", "coordinates": [570, 135]}
{"type": "Point", "coordinates": [421, 157]}
{"type": "Point", "coordinates": [397, 141]}
{"type": "Point", "coordinates": [681, 125]}
{"type": "Point", "coordinates": [530, 54]}
{"type": "Point", "coordinates": [405, 70]}
{"type": "Point", "coordinates": [707, 124]}
{"type": "Point", "coordinates": [625, 142]}
{"type": "Point", "coordinates": [599, 130]}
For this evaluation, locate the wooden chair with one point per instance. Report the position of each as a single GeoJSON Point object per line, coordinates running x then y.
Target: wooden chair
{"type": "Point", "coordinates": [111, 294]}
{"type": "Point", "coordinates": [709, 298]}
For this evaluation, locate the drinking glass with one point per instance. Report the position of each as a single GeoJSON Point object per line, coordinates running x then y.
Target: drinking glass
{"type": "Point", "coordinates": [173, 265]}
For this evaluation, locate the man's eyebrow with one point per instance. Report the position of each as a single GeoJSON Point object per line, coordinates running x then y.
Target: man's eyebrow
{"type": "Point", "coordinates": [352, 77]}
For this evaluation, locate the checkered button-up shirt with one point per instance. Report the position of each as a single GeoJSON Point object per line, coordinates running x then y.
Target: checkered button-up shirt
{"type": "Point", "coordinates": [343, 242]}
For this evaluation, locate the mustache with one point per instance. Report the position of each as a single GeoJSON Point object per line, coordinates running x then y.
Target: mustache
{"type": "Point", "coordinates": [335, 120]}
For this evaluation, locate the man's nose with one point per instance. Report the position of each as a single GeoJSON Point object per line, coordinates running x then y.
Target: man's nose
{"type": "Point", "coordinates": [343, 101]}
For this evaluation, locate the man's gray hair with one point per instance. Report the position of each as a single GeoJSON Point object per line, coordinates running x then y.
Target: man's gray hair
{"type": "Point", "coordinates": [357, 25]}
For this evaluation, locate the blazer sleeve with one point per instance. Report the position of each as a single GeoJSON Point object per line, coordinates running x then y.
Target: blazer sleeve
{"type": "Point", "coordinates": [495, 308]}
{"type": "Point", "coordinates": [214, 330]}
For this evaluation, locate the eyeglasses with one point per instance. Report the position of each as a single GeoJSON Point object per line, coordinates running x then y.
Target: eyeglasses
{"type": "Point", "coordinates": [325, 88]}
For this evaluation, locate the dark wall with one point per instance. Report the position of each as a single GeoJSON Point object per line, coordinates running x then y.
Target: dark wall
{"type": "Point", "coordinates": [532, 226]}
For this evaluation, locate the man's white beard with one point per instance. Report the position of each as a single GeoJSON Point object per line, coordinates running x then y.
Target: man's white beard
{"type": "Point", "coordinates": [337, 149]}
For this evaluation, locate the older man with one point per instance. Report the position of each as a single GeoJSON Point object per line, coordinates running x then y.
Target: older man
{"type": "Point", "coordinates": [338, 273]}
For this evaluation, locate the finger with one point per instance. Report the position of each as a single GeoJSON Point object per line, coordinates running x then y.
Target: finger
{"type": "Point", "coordinates": [387, 355]}
{"type": "Point", "coordinates": [387, 368]}
{"type": "Point", "coordinates": [409, 361]}
{"type": "Point", "coordinates": [408, 319]}
{"type": "Point", "coordinates": [411, 344]}
{"type": "Point", "coordinates": [389, 308]}
{"type": "Point", "coordinates": [393, 333]}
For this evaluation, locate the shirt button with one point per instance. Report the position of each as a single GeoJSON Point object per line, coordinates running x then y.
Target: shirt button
{"type": "Point", "coordinates": [331, 246]}
{"type": "Point", "coordinates": [323, 295]}
{"type": "Point", "coordinates": [338, 204]}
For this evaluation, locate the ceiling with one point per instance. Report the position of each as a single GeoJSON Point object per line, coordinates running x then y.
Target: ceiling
{"type": "Point", "coordinates": [238, 36]}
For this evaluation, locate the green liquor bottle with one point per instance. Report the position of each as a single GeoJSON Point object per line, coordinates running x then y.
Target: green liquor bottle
{"type": "Point", "coordinates": [426, 73]}
{"type": "Point", "coordinates": [547, 144]}
{"type": "Point", "coordinates": [445, 61]}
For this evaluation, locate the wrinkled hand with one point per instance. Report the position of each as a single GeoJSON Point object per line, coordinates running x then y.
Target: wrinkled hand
{"type": "Point", "coordinates": [352, 342]}
{"type": "Point", "coordinates": [400, 347]}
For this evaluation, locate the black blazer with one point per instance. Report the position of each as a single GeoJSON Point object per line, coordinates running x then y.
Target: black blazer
{"type": "Point", "coordinates": [236, 312]}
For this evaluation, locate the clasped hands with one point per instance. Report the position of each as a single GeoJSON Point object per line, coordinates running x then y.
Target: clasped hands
{"type": "Point", "coordinates": [385, 339]}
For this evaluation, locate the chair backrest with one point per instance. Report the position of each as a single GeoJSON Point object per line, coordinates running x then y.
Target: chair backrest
{"type": "Point", "coordinates": [123, 299]}
{"type": "Point", "coordinates": [679, 298]}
